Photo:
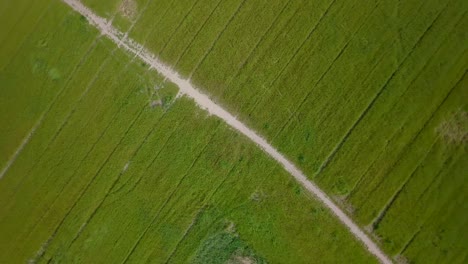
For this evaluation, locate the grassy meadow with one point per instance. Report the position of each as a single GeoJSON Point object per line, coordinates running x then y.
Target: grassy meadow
{"type": "Point", "coordinates": [118, 169]}
{"type": "Point", "coordinates": [368, 97]}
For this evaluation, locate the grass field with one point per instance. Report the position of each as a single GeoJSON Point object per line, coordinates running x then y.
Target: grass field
{"type": "Point", "coordinates": [368, 98]}
{"type": "Point", "coordinates": [119, 170]}
{"type": "Point", "coordinates": [356, 93]}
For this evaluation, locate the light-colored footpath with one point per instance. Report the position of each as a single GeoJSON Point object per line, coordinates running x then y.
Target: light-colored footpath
{"type": "Point", "coordinates": [204, 102]}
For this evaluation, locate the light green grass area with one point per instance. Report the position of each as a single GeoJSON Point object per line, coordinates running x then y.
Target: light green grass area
{"type": "Point", "coordinates": [118, 169]}
{"type": "Point", "coordinates": [365, 96]}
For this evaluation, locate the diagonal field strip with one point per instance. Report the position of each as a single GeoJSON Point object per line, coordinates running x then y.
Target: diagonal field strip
{"type": "Point", "coordinates": [204, 102]}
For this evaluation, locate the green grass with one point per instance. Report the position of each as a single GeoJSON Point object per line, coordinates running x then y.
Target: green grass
{"type": "Point", "coordinates": [39, 66]}
{"type": "Point", "coordinates": [221, 247]}
{"type": "Point", "coordinates": [364, 96]}
{"type": "Point", "coordinates": [112, 175]}
{"type": "Point", "coordinates": [348, 90]}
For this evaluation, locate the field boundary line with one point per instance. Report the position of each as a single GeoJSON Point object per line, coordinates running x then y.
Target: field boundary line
{"type": "Point", "coordinates": [204, 102]}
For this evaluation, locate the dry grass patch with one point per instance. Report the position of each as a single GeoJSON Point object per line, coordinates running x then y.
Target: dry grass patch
{"type": "Point", "coordinates": [455, 129]}
{"type": "Point", "coordinates": [128, 9]}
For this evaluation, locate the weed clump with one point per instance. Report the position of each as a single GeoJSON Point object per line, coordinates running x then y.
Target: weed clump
{"type": "Point", "coordinates": [225, 247]}
{"type": "Point", "coordinates": [455, 129]}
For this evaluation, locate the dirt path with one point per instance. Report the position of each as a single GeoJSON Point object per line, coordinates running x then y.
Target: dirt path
{"type": "Point", "coordinates": [204, 102]}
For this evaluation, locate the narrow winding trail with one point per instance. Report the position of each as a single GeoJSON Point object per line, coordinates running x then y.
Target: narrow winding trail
{"type": "Point", "coordinates": [204, 102]}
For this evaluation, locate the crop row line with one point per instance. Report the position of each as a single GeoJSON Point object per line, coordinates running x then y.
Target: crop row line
{"type": "Point", "coordinates": [150, 164]}
{"type": "Point", "coordinates": [136, 20]}
{"type": "Point", "coordinates": [213, 44]}
{"type": "Point", "coordinates": [447, 164]}
{"type": "Point", "coordinates": [266, 90]}
{"type": "Point", "coordinates": [102, 166]}
{"type": "Point", "coordinates": [106, 129]}
{"type": "Point", "coordinates": [337, 57]}
{"type": "Point", "coordinates": [255, 47]}
{"type": "Point", "coordinates": [28, 136]}
{"type": "Point", "coordinates": [187, 231]}
{"type": "Point", "coordinates": [178, 26]}
{"type": "Point", "coordinates": [296, 52]}
{"type": "Point", "coordinates": [91, 181]}
{"type": "Point", "coordinates": [196, 34]}
{"type": "Point", "coordinates": [382, 213]}
{"type": "Point", "coordinates": [140, 238]}
{"type": "Point", "coordinates": [205, 204]}
{"type": "Point", "coordinates": [20, 19]}
{"type": "Point", "coordinates": [96, 209]}
{"type": "Point", "coordinates": [406, 90]}
{"type": "Point", "coordinates": [369, 107]}
{"type": "Point", "coordinates": [49, 144]}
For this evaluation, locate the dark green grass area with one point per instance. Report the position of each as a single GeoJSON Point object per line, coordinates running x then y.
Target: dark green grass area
{"type": "Point", "coordinates": [37, 70]}
{"type": "Point", "coordinates": [224, 247]}
{"type": "Point", "coordinates": [353, 92]}
{"type": "Point", "coordinates": [119, 170]}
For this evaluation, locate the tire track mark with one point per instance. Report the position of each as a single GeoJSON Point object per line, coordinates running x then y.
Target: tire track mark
{"type": "Point", "coordinates": [132, 156]}
{"type": "Point", "coordinates": [447, 165]}
{"type": "Point", "coordinates": [446, 210]}
{"type": "Point", "coordinates": [83, 226]}
{"type": "Point", "coordinates": [234, 208]}
{"type": "Point", "coordinates": [90, 84]}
